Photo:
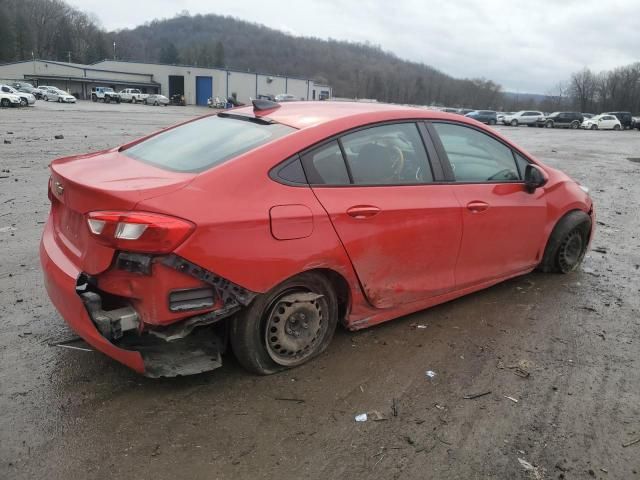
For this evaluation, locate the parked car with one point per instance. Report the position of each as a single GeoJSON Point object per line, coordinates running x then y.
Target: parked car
{"type": "Point", "coordinates": [132, 95]}
{"type": "Point", "coordinates": [25, 98]}
{"type": "Point", "coordinates": [585, 116]}
{"type": "Point", "coordinates": [500, 115]}
{"type": "Point", "coordinates": [464, 111]}
{"type": "Point", "coordinates": [561, 120]}
{"type": "Point", "coordinates": [266, 96]}
{"type": "Point", "coordinates": [23, 87]}
{"type": "Point", "coordinates": [624, 117]}
{"type": "Point", "coordinates": [57, 95]}
{"type": "Point", "coordinates": [635, 122]}
{"type": "Point", "coordinates": [484, 116]}
{"type": "Point", "coordinates": [156, 99]}
{"type": "Point", "coordinates": [9, 100]}
{"type": "Point", "coordinates": [285, 97]}
{"type": "Point", "coordinates": [106, 94]}
{"type": "Point", "coordinates": [524, 117]}
{"type": "Point", "coordinates": [218, 102]}
{"type": "Point", "coordinates": [175, 257]}
{"type": "Point", "coordinates": [602, 122]}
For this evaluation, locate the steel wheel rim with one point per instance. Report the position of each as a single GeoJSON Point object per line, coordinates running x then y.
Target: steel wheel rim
{"type": "Point", "coordinates": [287, 340]}
{"type": "Point", "coordinates": [571, 251]}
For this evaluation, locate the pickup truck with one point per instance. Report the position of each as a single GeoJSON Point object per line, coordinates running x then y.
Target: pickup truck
{"type": "Point", "coordinates": [106, 94]}
{"type": "Point", "coordinates": [132, 95]}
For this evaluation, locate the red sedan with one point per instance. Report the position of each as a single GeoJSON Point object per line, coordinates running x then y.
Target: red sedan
{"type": "Point", "coordinates": [264, 227]}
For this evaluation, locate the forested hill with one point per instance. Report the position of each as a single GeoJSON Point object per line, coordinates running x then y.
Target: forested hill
{"type": "Point", "coordinates": [354, 70]}
{"type": "Point", "coordinates": [53, 30]}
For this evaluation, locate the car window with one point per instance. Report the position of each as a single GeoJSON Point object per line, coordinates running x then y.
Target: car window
{"type": "Point", "coordinates": [325, 165]}
{"type": "Point", "coordinates": [205, 143]}
{"type": "Point", "coordinates": [387, 155]}
{"type": "Point", "coordinates": [522, 164]}
{"type": "Point", "coordinates": [475, 156]}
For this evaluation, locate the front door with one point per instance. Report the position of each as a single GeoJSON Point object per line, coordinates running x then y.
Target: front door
{"type": "Point", "coordinates": [401, 232]}
{"type": "Point", "coordinates": [503, 225]}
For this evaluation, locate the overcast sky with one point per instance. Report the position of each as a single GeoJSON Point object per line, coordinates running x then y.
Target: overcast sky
{"type": "Point", "coordinates": [525, 46]}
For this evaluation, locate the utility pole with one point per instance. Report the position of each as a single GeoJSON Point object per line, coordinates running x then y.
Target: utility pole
{"type": "Point", "coordinates": [114, 50]}
{"type": "Point", "coordinates": [69, 55]}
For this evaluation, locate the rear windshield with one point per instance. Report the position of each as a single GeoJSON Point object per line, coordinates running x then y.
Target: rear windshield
{"type": "Point", "coordinates": [205, 143]}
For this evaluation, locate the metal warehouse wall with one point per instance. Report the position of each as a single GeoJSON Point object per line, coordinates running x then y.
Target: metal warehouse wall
{"type": "Point", "coordinates": [269, 85]}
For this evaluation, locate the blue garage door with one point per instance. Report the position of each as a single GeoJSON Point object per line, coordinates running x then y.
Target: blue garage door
{"type": "Point", "coordinates": [204, 89]}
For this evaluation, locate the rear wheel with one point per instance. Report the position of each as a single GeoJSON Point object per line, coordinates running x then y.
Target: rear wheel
{"type": "Point", "coordinates": [94, 98]}
{"type": "Point", "coordinates": [23, 102]}
{"type": "Point", "coordinates": [514, 123]}
{"type": "Point", "coordinates": [549, 124]}
{"type": "Point", "coordinates": [567, 244]}
{"type": "Point", "coordinates": [133, 99]}
{"type": "Point", "coordinates": [155, 104]}
{"type": "Point", "coordinates": [287, 326]}
{"type": "Point", "coordinates": [5, 103]}
{"type": "Point", "coordinates": [616, 127]}
{"type": "Point", "coordinates": [575, 125]}
{"type": "Point", "coordinates": [46, 99]}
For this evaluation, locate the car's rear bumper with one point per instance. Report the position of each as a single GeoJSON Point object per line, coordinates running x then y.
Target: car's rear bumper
{"type": "Point", "coordinates": [60, 276]}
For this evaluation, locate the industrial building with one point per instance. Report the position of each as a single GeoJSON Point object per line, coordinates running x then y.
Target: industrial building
{"type": "Point", "coordinates": [197, 84]}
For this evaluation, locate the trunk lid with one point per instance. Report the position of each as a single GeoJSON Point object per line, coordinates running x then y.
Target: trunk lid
{"type": "Point", "coordinates": [100, 181]}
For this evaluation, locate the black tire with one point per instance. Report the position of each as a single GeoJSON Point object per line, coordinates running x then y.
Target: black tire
{"type": "Point", "coordinates": [133, 100]}
{"type": "Point", "coordinates": [514, 123]}
{"type": "Point", "coordinates": [59, 100]}
{"type": "Point", "coordinates": [155, 104]}
{"type": "Point", "coordinates": [263, 352]}
{"type": "Point", "coordinates": [45, 98]}
{"type": "Point", "coordinates": [616, 127]}
{"type": "Point", "coordinates": [575, 125]}
{"type": "Point", "coordinates": [118, 100]}
{"type": "Point", "coordinates": [567, 244]}
{"type": "Point", "coordinates": [23, 102]}
{"type": "Point", "coordinates": [594, 127]}
{"type": "Point", "coordinates": [548, 125]}
{"type": "Point", "coordinates": [5, 103]}
{"type": "Point", "coordinates": [94, 98]}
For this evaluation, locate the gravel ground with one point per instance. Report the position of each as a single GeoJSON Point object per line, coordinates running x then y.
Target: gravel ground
{"type": "Point", "coordinates": [75, 414]}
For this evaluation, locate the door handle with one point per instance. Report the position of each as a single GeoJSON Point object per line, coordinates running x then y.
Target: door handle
{"type": "Point", "coordinates": [477, 206]}
{"type": "Point", "coordinates": [363, 211]}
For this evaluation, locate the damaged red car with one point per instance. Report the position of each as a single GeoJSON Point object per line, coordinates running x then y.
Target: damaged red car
{"type": "Point", "coordinates": [262, 228]}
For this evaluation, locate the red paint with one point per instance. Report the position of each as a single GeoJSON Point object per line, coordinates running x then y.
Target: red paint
{"type": "Point", "coordinates": [399, 248]}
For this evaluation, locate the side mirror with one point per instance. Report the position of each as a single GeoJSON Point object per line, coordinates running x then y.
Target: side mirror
{"type": "Point", "coordinates": [534, 178]}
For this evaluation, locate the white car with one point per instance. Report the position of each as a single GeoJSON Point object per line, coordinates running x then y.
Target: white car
{"type": "Point", "coordinates": [25, 98]}
{"type": "Point", "coordinates": [602, 122]}
{"type": "Point", "coordinates": [523, 117]}
{"type": "Point", "coordinates": [9, 100]}
{"type": "Point", "coordinates": [156, 99]}
{"type": "Point", "coordinates": [57, 95]}
{"type": "Point", "coordinates": [285, 97]}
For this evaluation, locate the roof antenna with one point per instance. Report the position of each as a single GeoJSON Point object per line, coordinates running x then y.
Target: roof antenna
{"type": "Point", "coordinates": [260, 105]}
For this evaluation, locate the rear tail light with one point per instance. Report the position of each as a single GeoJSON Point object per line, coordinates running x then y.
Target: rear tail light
{"type": "Point", "coordinates": [139, 231]}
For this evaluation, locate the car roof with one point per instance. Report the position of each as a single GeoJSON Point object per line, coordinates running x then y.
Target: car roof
{"type": "Point", "coordinates": [310, 114]}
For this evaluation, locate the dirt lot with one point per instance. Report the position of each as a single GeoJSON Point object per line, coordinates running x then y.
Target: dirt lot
{"type": "Point", "coordinates": [74, 414]}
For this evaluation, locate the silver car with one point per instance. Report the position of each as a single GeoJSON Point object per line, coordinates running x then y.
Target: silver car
{"type": "Point", "coordinates": [156, 99]}
{"type": "Point", "coordinates": [57, 95]}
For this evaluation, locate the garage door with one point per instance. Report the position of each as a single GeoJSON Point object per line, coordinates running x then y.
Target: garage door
{"type": "Point", "coordinates": [204, 89]}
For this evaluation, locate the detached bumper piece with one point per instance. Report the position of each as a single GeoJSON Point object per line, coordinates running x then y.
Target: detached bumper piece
{"type": "Point", "coordinates": [186, 356]}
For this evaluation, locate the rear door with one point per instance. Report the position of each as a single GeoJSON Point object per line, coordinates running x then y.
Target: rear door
{"type": "Point", "coordinates": [503, 224]}
{"type": "Point", "coordinates": [400, 228]}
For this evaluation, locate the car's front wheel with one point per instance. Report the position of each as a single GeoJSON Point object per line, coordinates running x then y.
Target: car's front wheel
{"type": "Point", "coordinates": [23, 102]}
{"type": "Point", "coordinates": [575, 125]}
{"type": "Point", "coordinates": [5, 103]}
{"type": "Point", "coordinates": [549, 124]}
{"type": "Point", "coordinates": [45, 98]}
{"type": "Point", "coordinates": [594, 127]}
{"type": "Point", "coordinates": [133, 99]}
{"type": "Point", "coordinates": [514, 123]}
{"type": "Point", "coordinates": [287, 326]}
{"type": "Point", "coordinates": [567, 244]}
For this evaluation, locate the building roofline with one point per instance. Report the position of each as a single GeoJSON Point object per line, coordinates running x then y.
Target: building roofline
{"type": "Point", "coordinates": [222, 69]}
{"type": "Point", "coordinates": [78, 66]}
{"type": "Point", "coordinates": [89, 80]}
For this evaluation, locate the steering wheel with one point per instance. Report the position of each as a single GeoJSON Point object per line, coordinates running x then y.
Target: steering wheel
{"type": "Point", "coordinates": [502, 172]}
